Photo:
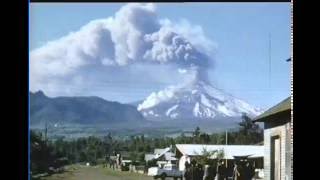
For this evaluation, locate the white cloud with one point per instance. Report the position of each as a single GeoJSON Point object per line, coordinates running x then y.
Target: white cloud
{"type": "Point", "coordinates": [134, 35]}
{"type": "Point", "coordinates": [158, 97]}
{"type": "Point", "coordinates": [182, 71]}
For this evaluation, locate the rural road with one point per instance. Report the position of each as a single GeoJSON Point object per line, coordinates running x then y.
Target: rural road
{"type": "Point", "coordinates": [78, 172]}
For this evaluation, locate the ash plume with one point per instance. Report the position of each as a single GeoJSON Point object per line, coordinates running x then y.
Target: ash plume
{"type": "Point", "coordinates": [134, 35]}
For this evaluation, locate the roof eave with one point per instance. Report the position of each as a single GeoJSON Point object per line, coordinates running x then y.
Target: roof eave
{"type": "Point", "coordinates": [268, 117]}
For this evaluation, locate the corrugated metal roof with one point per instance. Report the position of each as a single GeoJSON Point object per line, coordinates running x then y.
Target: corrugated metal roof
{"type": "Point", "coordinates": [284, 105]}
{"type": "Point", "coordinates": [229, 150]}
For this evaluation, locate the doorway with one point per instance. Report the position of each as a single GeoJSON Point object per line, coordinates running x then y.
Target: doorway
{"type": "Point", "coordinates": [276, 158]}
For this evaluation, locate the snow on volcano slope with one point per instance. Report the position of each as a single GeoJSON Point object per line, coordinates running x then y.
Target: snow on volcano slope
{"type": "Point", "coordinates": [194, 101]}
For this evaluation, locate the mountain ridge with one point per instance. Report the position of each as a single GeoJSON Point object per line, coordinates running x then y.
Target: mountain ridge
{"type": "Point", "coordinates": [80, 110]}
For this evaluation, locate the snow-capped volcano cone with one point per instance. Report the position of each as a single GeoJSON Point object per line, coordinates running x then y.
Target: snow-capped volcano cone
{"type": "Point", "coordinates": [196, 100]}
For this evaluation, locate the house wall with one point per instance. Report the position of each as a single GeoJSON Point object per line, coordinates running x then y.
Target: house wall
{"type": "Point", "coordinates": [183, 159]}
{"type": "Point", "coordinates": [283, 131]}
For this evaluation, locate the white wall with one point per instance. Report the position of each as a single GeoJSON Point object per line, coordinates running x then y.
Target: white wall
{"type": "Point", "coordinates": [182, 162]}
{"type": "Point", "coordinates": [285, 137]}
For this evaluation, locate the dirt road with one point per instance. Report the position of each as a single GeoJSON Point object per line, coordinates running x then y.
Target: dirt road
{"type": "Point", "coordinates": [78, 172]}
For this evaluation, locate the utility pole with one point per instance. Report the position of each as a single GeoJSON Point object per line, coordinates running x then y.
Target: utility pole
{"type": "Point", "coordinates": [46, 132]}
{"type": "Point", "coordinates": [226, 145]}
{"type": "Point", "coordinates": [226, 137]}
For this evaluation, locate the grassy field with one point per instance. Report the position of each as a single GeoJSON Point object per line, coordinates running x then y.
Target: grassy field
{"type": "Point", "coordinates": [80, 172]}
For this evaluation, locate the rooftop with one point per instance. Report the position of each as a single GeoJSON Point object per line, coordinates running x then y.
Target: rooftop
{"type": "Point", "coordinates": [283, 106]}
{"type": "Point", "coordinates": [229, 150]}
{"type": "Point", "coordinates": [166, 152]}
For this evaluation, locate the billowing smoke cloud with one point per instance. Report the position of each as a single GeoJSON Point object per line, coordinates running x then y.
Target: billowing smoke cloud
{"type": "Point", "coordinates": [134, 35]}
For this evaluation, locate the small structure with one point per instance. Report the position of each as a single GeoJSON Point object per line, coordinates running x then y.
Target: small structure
{"type": "Point", "coordinates": [277, 141]}
{"type": "Point", "coordinates": [185, 152]}
{"type": "Point", "coordinates": [162, 156]}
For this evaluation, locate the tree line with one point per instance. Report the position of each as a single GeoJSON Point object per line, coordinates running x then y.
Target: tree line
{"type": "Point", "coordinates": [46, 153]}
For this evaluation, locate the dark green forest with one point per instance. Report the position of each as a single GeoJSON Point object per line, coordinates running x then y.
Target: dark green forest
{"type": "Point", "coordinates": [46, 153]}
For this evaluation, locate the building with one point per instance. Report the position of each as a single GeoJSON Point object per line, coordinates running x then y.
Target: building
{"type": "Point", "coordinates": [162, 156]}
{"type": "Point", "coordinates": [277, 141]}
{"type": "Point", "coordinates": [185, 152]}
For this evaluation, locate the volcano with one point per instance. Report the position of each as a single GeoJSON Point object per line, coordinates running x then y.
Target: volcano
{"type": "Point", "coordinates": [197, 101]}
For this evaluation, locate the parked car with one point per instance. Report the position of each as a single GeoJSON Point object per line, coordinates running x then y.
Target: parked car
{"type": "Point", "coordinates": [168, 170]}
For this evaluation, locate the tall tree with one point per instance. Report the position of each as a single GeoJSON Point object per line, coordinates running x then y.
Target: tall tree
{"type": "Point", "coordinates": [249, 133]}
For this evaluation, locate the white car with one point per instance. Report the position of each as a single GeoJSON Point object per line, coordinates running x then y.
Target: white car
{"type": "Point", "coordinates": [168, 170]}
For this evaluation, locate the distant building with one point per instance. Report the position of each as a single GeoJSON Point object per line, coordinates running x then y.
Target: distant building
{"type": "Point", "coordinates": [162, 156]}
{"type": "Point", "coordinates": [186, 152]}
{"type": "Point", "coordinates": [277, 141]}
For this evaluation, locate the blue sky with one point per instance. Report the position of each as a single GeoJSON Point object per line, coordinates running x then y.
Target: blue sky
{"type": "Point", "coordinates": [239, 30]}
